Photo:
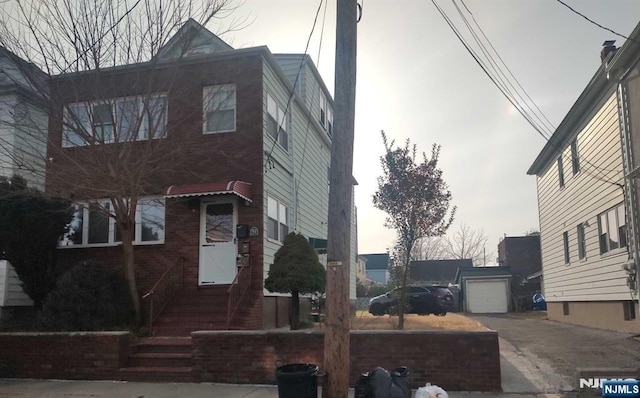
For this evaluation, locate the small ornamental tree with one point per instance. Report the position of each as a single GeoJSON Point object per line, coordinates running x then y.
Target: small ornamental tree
{"type": "Point", "coordinates": [30, 226]}
{"type": "Point", "coordinates": [416, 200]}
{"type": "Point", "coordinates": [296, 270]}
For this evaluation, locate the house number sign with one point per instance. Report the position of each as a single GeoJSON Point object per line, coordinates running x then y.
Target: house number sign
{"type": "Point", "coordinates": [254, 231]}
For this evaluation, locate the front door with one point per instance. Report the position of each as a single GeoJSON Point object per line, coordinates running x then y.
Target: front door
{"type": "Point", "coordinates": [218, 249]}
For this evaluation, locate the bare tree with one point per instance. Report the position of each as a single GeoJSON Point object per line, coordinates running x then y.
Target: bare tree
{"type": "Point", "coordinates": [80, 45]}
{"type": "Point", "coordinates": [467, 243]}
{"type": "Point", "coordinates": [416, 200]}
{"type": "Point", "coordinates": [429, 248]}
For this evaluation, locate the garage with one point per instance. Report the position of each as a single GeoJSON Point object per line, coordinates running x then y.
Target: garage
{"type": "Point", "coordinates": [487, 296]}
{"type": "Point", "coordinates": [484, 290]}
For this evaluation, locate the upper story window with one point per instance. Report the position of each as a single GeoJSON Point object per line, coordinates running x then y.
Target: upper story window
{"type": "Point", "coordinates": [115, 120]}
{"type": "Point", "coordinates": [575, 160]}
{"type": "Point", "coordinates": [612, 229]}
{"type": "Point", "coordinates": [277, 122]}
{"type": "Point", "coordinates": [94, 225]}
{"type": "Point", "coordinates": [560, 172]}
{"type": "Point", "coordinates": [326, 114]}
{"type": "Point", "coordinates": [277, 219]}
{"type": "Point", "coordinates": [219, 108]}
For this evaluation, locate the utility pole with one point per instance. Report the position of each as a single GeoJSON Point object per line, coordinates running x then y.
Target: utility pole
{"type": "Point", "coordinates": [336, 336]}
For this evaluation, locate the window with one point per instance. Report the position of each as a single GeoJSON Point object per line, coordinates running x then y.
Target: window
{"type": "Point", "coordinates": [277, 122]}
{"type": "Point", "coordinates": [629, 310]}
{"type": "Point", "coordinates": [277, 220]}
{"type": "Point", "coordinates": [612, 230]}
{"type": "Point", "coordinates": [582, 248]}
{"type": "Point", "coordinates": [565, 308]}
{"type": "Point", "coordinates": [323, 111]}
{"type": "Point", "coordinates": [100, 228]}
{"type": "Point", "coordinates": [117, 120]}
{"type": "Point", "coordinates": [575, 161]}
{"type": "Point", "coordinates": [560, 172]}
{"type": "Point", "coordinates": [326, 114]}
{"type": "Point", "coordinates": [219, 108]}
{"type": "Point", "coordinates": [565, 240]}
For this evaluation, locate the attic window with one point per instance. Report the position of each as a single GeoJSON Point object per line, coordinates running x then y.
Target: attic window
{"type": "Point", "coordinates": [198, 50]}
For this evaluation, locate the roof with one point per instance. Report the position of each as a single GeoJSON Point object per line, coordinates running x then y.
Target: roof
{"type": "Point", "coordinates": [483, 272]}
{"type": "Point", "coordinates": [601, 83]}
{"type": "Point", "coordinates": [239, 188]}
{"type": "Point", "coordinates": [377, 261]}
{"type": "Point", "coordinates": [438, 270]}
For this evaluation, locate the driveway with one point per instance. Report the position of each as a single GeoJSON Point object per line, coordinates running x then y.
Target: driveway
{"type": "Point", "coordinates": [542, 356]}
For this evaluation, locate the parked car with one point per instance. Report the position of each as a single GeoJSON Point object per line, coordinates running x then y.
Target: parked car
{"type": "Point", "coordinates": [539, 302]}
{"type": "Point", "coordinates": [421, 299]}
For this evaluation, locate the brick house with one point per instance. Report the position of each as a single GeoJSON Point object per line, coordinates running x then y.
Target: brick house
{"type": "Point", "coordinates": [238, 144]}
{"type": "Point", "coordinates": [523, 256]}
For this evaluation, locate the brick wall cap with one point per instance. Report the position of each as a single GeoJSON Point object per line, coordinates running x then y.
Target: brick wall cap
{"type": "Point", "coordinates": [69, 334]}
{"type": "Point", "coordinates": [204, 333]}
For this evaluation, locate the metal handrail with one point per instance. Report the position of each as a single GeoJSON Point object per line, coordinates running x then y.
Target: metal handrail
{"type": "Point", "coordinates": [238, 288]}
{"type": "Point", "coordinates": [164, 289]}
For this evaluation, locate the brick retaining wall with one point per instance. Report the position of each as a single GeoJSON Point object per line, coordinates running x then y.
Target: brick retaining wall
{"type": "Point", "coordinates": [78, 356]}
{"type": "Point", "coordinates": [456, 361]}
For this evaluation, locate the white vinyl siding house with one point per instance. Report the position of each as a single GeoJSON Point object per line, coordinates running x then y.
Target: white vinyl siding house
{"type": "Point", "coordinates": [296, 171]}
{"type": "Point", "coordinates": [587, 283]}
{"type": "Point", "coordinates": [23, 123]}
{"type": "Point", "coordinates": [596, 277]}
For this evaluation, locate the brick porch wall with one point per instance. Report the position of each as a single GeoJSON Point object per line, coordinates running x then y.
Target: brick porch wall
{"type": "Point", "coordinates": [78, 356]}
{"type": "Point", "coordinates": [457, 361]}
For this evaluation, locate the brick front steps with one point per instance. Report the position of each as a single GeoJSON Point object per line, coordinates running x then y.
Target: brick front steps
{"type": "Point", "coordinates": [159, 359]}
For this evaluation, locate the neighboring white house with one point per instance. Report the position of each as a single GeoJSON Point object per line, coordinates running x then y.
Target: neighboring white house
{"type": "Point", "coordinates": [11, 293]}
{"type": "Point", "coordinates": [23, 121]}
{"type": "Point", "coordinates": [583, 230]}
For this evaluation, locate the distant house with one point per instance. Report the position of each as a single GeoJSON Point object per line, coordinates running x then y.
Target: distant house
{"type": "Point", "coordinates": [23, 119]}
{"type": "Point", "coordinates": [522, 255]}
{"type": "Point", "coordinates": [377, 266]}
{"type": "Point", "coordinates": [581, 200]}
{"type": "Point", "coordinates": [437, 272]}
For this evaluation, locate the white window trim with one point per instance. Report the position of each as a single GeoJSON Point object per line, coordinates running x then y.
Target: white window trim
{"type": "Point", "coordinates": [282, 122]}
{"type": "Point", "coordinates": [287, 209]}
{"type": "Point", "coordinates": [112, 226]}
{"type": "Point", "coordinates": [114, 103]}
{"type": "Point", "coordinates": [618, 249]}
{"type": "Point", "coordinates": [205, 102]}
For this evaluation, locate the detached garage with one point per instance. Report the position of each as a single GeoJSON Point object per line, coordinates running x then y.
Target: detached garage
{"type": "Point", "coordinates": [484, 289]}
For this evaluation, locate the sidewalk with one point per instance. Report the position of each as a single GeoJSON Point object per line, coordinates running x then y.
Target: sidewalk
{"type": "Point", "coordinates": [20, 388]}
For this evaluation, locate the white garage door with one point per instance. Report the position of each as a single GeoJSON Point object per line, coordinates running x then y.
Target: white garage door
{"type": "Point", "coordinates": [487, 296]}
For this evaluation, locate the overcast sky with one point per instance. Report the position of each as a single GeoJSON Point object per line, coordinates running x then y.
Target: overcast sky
{"type": "Point", "coordinates": [415, 80]}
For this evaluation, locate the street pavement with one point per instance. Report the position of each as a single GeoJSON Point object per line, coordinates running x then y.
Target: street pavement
{"type": "Point", "coordinates": [20, 388]}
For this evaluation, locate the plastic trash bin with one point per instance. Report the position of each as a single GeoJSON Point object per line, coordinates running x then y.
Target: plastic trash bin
{"type": "Point", "coordinates": [297, 380]}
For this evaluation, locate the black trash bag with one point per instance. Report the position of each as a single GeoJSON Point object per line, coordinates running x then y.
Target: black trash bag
{"type": "Point", "coordinates": [379, 383]}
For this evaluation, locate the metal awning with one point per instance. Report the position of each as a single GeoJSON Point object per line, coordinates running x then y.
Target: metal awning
{"type": "Point", "coordinates": [239, 188]}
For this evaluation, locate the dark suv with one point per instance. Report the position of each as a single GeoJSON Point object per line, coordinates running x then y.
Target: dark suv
{"type": "Point", "coordinates": [421, 299]}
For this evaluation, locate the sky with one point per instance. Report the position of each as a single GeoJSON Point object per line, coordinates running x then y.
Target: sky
{"type": "Point", "coordinates": [416, 81]}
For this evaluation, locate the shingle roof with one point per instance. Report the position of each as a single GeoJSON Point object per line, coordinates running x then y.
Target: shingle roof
{"type": "Point", "coordinates": [442, 271]}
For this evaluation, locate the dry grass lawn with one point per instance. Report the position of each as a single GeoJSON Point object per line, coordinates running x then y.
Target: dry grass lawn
{"type": "Point", "coordinates": [365, 321]}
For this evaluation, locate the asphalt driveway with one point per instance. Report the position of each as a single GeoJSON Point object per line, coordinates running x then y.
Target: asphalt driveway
{"type": "Point", "coordinates": [543, 356]}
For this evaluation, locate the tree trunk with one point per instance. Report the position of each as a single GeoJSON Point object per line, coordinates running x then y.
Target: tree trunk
{"type": "Point", "coordinates": [295, 309]}
{"type": "Point", "coordinates": [130, 271]}
{"type": "Point", "coordinates": [403, 296]}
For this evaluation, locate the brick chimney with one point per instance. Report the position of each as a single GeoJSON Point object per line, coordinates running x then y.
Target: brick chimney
{"type": "Point", "coordinates": [608, 50]}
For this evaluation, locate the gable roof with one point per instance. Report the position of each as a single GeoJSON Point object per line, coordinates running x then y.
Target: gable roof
{"type": "Point", "coordinates": [437, 270]}
{"type": "Point", "coordinates": [192, 36]}
{"type": "Point", "coordinates": [377, 261]}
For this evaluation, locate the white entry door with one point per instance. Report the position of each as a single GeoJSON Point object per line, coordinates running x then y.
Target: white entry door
{"type": "Point", "coordinates": [218, 248]}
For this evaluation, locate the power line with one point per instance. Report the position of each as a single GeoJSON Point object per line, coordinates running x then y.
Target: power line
{"type": "Point", "coordinates": [505, 85]}
{"type": "Point", "coordinates": [295, 84]}
{"type": "Point", "coordinates": [591, 20]}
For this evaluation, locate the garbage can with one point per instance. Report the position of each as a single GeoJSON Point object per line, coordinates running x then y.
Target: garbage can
{"type": "Point", "coordinates": [297, 380]}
